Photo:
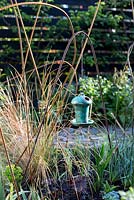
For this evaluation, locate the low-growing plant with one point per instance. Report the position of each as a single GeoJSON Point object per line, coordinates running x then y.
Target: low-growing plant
{"type": "Point", "coordinates": [24, 194]}
{"type": "Point", "coordinates": [107, 187]}
{"type": "Point", "coordinates": [17, 171]}
{"type": "Point", "coordinates": [128, 195]}
{"type": "Point", "coordinates": [101, 158]}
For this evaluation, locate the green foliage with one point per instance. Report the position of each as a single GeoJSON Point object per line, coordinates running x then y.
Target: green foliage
{"type": "Point", "coordinates": [10, 43]}
{"type": "Point", "coordinates": [56, 33]}
{"type": "Point", "coordinates": [70, 161]}
{"type": "Point", "coordinates": [111, 196]}
{"type": "Point", "coordinates": [121, 165]}
{"type": "Point", "coordinates": [108, 187]}
{"type": "Point", "coordinates": [118, 4]}
{"type": "Point", "coordinates": [128, 195]}
{"type": "Point", "coordinates": [17, 171]}
{"type": "Point", "coordinates": [34, 194]}
{"type": "Point", "coordinates": [90, 87]}
{"type": "Point", "coordinates": [25, 195]}
{"type": "Point", "coordinates": [106, 20]}
{"type": "Point", "coordinates": [101, 157]}
{"type": "Point", "coordinates": [2, 193]}
{"type": "Point", "coordinates": [116, 92]}
{"type": "Point", "coordinates": [103, 18]}
{"type": "Point", "coordinates": [11, 193]}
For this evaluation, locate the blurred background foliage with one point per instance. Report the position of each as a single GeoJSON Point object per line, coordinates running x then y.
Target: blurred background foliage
{"type": "Point", "coordinates": [111, 36]}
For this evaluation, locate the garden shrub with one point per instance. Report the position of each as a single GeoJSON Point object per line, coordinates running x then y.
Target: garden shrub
{"type": "Point", "coordinates": [116, 92]}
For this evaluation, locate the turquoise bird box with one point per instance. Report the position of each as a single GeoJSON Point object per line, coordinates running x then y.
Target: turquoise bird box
{"type": "Point", "coordinates": [81, 104]}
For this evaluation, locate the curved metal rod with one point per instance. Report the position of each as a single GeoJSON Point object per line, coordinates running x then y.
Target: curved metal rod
{"type": "Point", "coordinates": [50, 5]}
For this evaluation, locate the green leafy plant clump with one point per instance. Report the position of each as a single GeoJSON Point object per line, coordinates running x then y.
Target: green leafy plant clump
{"type": "Point", "coordinates": [116, 94]}
{"type": "Point", "coordinates": [128, 195]}
{"type": "Point", "coordinates": [17, 171]}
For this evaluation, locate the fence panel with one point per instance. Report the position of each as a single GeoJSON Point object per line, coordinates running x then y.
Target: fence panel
{"type": "Point", "coordinates": [44, 43]}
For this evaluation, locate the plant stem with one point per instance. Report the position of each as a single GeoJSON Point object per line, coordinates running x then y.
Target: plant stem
{"type": "Point", "coordinates": [27, 40]}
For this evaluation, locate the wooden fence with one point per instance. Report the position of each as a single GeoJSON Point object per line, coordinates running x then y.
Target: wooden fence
{"type": "Point", "coordinates": [9, 41]}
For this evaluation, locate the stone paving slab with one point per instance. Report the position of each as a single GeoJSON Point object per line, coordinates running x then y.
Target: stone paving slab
{"type": "Point", "coordinates": [88, 136]}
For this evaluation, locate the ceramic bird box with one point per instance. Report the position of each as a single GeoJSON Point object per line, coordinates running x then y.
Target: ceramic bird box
{"type": "Point", "coordinates": [81, 104]}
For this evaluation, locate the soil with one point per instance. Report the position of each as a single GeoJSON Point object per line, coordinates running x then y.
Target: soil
{"type": "Point", "coordinates": [76, 189]}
